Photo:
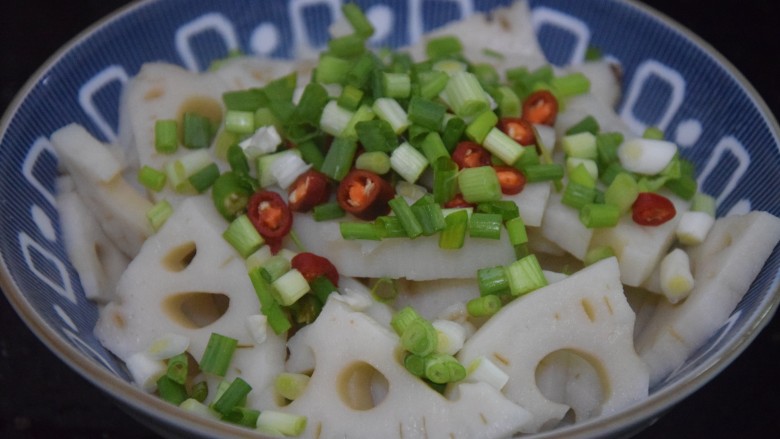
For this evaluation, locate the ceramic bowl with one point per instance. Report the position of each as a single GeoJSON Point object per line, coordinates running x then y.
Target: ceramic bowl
{"type": "Point", "coordinates": [672, 80]}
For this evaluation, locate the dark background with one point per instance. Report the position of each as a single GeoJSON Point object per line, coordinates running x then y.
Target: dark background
{"type": "Point", "coordinates": [40, 397]}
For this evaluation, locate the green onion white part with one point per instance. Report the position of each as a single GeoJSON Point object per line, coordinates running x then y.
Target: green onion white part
{"type": "Point", "coordinates": [408, 162]}
{"type": "Point", "coordinates": [694, 227]}
{"type": "Point", "coordinates": [167, 346]}
{"type": "Point", "coordinates": [264, 141]}
{"type": "Point", "coordinates": [145, 370]}
{"type": "Point", "coordinates": [287, 169]}
{"type": "Point", "coordinates": [481, 369]}
{"type": "Point", "coordinates": [257, 325]}
{"type": "Point", "coordinates": [676, 276]}
{"type": "Point", "coordinates": [451, 334]}
{"type": "Point", "coordinates": [646, 156]}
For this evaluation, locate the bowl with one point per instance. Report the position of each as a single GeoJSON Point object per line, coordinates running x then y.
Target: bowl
{"type": "Point", "coordinates": [82, 82]}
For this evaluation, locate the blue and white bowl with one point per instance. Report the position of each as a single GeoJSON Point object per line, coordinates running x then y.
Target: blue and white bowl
{"type": "Point", "coordinates": [672, 81]}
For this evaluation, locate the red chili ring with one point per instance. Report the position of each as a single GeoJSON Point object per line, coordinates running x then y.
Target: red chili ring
{"type": "Point", "coordinates": [470, 154]}
{"type": "Point", "coordinates": [308, 190]}
{"type": "Point", "coordinates": [651, 209]}
{"type": "Point", "coordinates": [518, 129]}
{"type": "Point", "coordinates": [270, 215]}
{"type": "Point", "coordinates": [512, 181]}
{"type": "Point", "coordinates": [540, 107]}
{"type": "Point", "coordinates": [364, 194]}
{"type": "Point", "coordinates": [313, 266]}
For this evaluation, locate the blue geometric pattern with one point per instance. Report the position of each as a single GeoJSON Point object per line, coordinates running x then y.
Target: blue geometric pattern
{"type": "Point", "coordinates": [671, 82]}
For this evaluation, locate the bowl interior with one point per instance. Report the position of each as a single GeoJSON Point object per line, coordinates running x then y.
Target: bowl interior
{"type": "Point", "coordinates": [672, 81]}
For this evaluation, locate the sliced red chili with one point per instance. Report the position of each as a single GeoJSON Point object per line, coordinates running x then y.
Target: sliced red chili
{"type": "Point", "coordinates": [308, 190]}
{"type": "Point", "coordinates": [540, 107]}
{"type": "Point", "coordinates": [364, 194]}
{"type": "Point", "coordinates": [470, 154]}
{"type": "Point", "coordinates": [270, 215]}
{"type": "Point", "coordinates": [313, 266]}
{"type": "Point", "coordinates": [458, 201]}
{"type": "Point", "coordinates": [512, 181]}
{"type": "Point", "coordinates": [651, 209]}
{"type": "Point", "coordinates": [518, 129]}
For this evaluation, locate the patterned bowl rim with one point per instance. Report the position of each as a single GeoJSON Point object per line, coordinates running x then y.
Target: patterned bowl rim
{"type": "Point", "coordinates": [166, 418]}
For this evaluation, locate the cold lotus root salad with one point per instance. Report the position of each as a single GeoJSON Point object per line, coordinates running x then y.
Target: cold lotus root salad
{"type": "Point", "coordinates": [452, 240]}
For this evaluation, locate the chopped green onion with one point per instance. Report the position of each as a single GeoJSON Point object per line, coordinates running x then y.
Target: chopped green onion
{"type": "Point", "coordinates": [509, 104]}
{"type": "Point", "coordinates": [362, 70]}
{"type": "Point", "coordinates": [419, 337]}
{"type": "Point", "coordinates": [240, 122]}
{"type": "Point", "coordinates": [390, 111]}
{"type": "Point", "coordinates": [415, 364]}
{"type": "Point", "coordinates": [335, 119]}
{"type": "Point", "coordinates": [577, 195]}
{"type": "Point", "coordinates": [327, 211]}
{"type": "Point", "coordinates": [290, 287]}
{"type": "Point", "coordinates": [311, 153]}
{"type": "Point", "coordinates": [151, 178]}
{"type": "Point", "coordinates": [234, 396]}
{"type": "Point", "coordinates": [443, 47]}
{"type": "Point", "coordinates": [516, 230]}
{"type": "Point", "coordinates": [580, 145]}
{"type": "Point", "coordinates": [492, 281]}
{"type": "Point", "coordinates": [443, 368]}
{"type": "Point", "coordinates": [376, 135]}
{"type": "Point", "coordinates": [622, 192]}
{"type": "Point", "coordinates": [362, 114]}
{"type": "Point", "coordinates": [332, 69]}
{"type": "Point", "coordinates": [359, 22]}
{"type": "Point", "coordinates": [465, 95]}
{"type": "Point", "coordinates": [338, 160]}
{"type": "Point", "coordinates": [384, 289]}
{"type": "Point", "coordinates": [291, 385]}
{"type": "Point", "coordinates": [454, 233]}
{"type": "Point", "coordinates": [243, 416]}
{"type": "Point", "coordinates": [485, 225]}
{"type": "Point", "coordinates": [404, 213]}
{"type": "Point", "coordinates": [322, 288]}
{"type": "Point", "coordinates": [230, 194]}
{"type": "Point", "coordinates": [159, 213]}
{"type": "Point", "coordinates": [274, 267]}
{"type": "Point", "coordinates": [360, 230]}
{"type": "Point", "coordinates": [426, 113]}
{"type": "Point", "coordinates": [506, 208]}
{"type": "Point", "coordinates": [598, 253]}
{"type": "Point", "coordinates": [599, 215]}
{"type": "Point", "coordinates": [445, 180]}
{"type": "Point", "coordinates": [199, 391]}
{"type": "Point", "coordinates": [479, 184]}
{"type": "Point", "coordinates": [197, 131]}
{"type": "Point", "coordinates": [347, 46]}
{"type": "Point", "coordinates": [587, 124]}
{"type": "Point", "coordinates": [653, 133]}
{"type": "Point", "coordinates": [204, 178]}
{"type": "Point", "coordinates": [569, 85]}
{"type": "Point", "coordinates": [433, 148]}
{"type": "Point", "coordinates": [166, 137]}
{"type": "Point", "coordinates": [281, 423]}
{"type": "Point", "coordinates": [243, 236]}
{"type": "Point", "coordinates": [684, 187]}
{"type": "Point", "coordinates": [218, 354]}
{"type": "Point", "coordinates": [178, 368]}
{"type": "Point", "coordinates": [408, 162]}
{"type": "Point", "coordinates": [502, 146]}
{"type": "Point", "coordinates": [396, 85]}
{"type": "Point", "coordinates": [607, 145]}
{"type": "Point", "coordinates": [484, 306]}
{"type": "Point", "coordinates": [543, 172]}
{"type": "Point", "coordinates": [432, 83]}
{"type": "Point", "coordinates": [403, 318]}
{"type": "Point", "coordinates": [453, 131]}
{"type": "Point", "coordinates": [277, 318]}
{"type": "Point", "coordinates": [430, 218]}
{"type": "Point", "coordinates": [375, 161]}
{"type": "Point", "coordinates": [350, 97]}
{"type": "Point", "coordinates": [311, 104]}
{"type": "Point", "coordinates": [481, 126]}
{"type": "Point", "coordinates": [170, 390]}
{"type": "Point", "coordinates": [525, 275]}
{"type": "Point", "coordinates": [245, 100]}
{"type": "Point", "coordinates": [704, 203]}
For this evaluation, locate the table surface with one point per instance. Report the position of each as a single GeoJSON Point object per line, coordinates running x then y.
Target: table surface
{"type": "Point", "coordinates": [42, 397]}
